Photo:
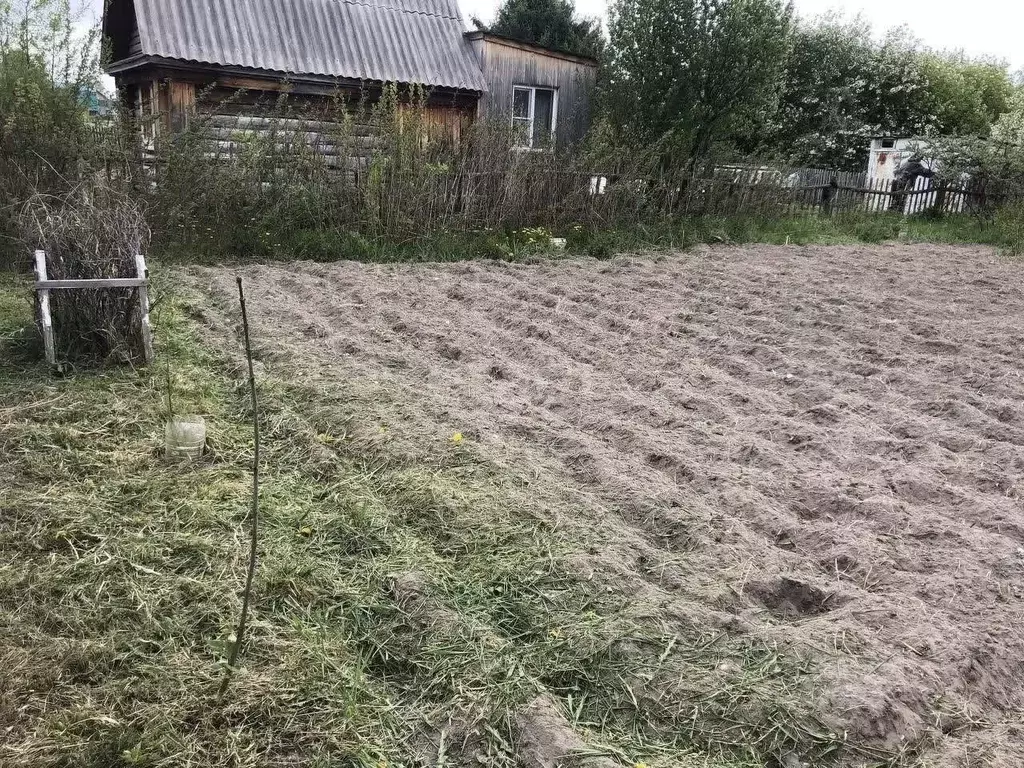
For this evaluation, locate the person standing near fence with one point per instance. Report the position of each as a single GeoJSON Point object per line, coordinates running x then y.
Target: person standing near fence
{"type": "Point", "coordinates": [906, 179]}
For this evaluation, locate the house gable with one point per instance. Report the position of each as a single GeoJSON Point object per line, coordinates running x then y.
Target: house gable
{"type": "Point", "coordinates": [509, 65]}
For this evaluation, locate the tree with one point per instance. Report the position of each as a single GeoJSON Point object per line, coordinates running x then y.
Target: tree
{"type": "Point", "coordinates": [998, 156]}
{"type": "Point", "coordinates": [550, 23]}
{"type": "Point", "coordinates": [842, 88]}
{"type": "Point", "coordinates": [964, 96]}
{"type": "Point", "coordinates": [45, 65]}
{"type": "Point", "coordinates": [820, 120]}
{"type": "Point", "coordinates": [683, 74]}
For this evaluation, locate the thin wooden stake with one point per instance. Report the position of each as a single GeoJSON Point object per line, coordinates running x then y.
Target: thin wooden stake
{"type": "Point", "coordinates": [170, 401]}
{"type": "Point", "coordinates": [254, 513]}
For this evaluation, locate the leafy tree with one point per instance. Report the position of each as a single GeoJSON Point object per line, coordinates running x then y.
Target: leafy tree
{"type": "Point", "coordinates": [1009, 127]}
{"type": "Point", "coordinates": [964, 96]}
{"type": "Point", "coordinates": [685, 74]}
{"type": "Point", "coordinates": [550, 23]}
{"type": "Point", "coordinates": [998, 156]}
{"type": "Point", "coordinates": [45, 65]}
{"type": "Point", "coordinates": [841, 88]}
{"type": "Point", "coordinates": [820, 120]}
{"type": "Point", "coordinates": [895, 93]}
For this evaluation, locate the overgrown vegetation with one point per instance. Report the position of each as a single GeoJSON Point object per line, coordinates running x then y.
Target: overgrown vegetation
{"type": "Point", "coordinates": [46, 67]}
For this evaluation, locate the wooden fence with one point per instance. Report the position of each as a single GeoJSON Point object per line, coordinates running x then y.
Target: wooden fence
{"type": "Point", "coordinates": [545, 196]}
{"type": "Point", "coordinates": [382, 191]}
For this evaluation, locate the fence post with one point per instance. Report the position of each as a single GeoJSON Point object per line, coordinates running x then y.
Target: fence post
{"type": "Point", "coordinates": [940, 199]}
{"type": "Point", "coordinates": [828, 195]}
{"type": "Point", "coordinates": [147, 331]}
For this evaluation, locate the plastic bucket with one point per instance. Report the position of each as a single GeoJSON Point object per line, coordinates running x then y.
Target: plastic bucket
{"type": "Point", "coordinates": [185, 437]}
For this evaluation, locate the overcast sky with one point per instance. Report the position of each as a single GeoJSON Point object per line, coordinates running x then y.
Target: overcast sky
{"type": "Point", "coordinates": [979, 27]}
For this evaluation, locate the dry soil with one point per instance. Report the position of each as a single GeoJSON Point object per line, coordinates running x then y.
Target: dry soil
{"type": "Point", "coordinates": [817, 445]}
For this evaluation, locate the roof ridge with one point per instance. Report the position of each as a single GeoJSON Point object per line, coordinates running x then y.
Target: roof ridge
{"type": "Point", "coordinates": [397, 6]}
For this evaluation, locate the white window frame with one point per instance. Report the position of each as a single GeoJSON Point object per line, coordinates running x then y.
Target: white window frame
{"type": "Point", "coordinates": [531, 117]}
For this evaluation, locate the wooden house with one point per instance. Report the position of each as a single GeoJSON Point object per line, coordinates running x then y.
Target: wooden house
{"type": "Point", "coordinates": [166, 54]}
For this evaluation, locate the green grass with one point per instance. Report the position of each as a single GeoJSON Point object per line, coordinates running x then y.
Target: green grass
{"type": "Point", "coordinates": [525, 244]}
{"type": "Point", "coordinates": [408, 602]}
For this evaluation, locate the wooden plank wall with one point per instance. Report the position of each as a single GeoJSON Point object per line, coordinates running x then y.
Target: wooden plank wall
{"type": "Point", "coordinates": [506, 65]}
{"type": "Point", "coordinates": [233, 117]}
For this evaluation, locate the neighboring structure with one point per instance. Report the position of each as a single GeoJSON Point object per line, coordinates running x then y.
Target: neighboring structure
{"type": "Point", "coordinates": [97, 103]}
{"type": "Point", "coordinates": [888, 154]}
{"type": "Point", "coordinates": [902, 166]}
{"type": "Point", "coordinates": [167, 53]}
{"type": "Point", "coordinates": [545, 93]}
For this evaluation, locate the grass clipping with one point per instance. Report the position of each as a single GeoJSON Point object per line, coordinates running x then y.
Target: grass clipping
{"type": "Point", "coordinates": [90, 233]}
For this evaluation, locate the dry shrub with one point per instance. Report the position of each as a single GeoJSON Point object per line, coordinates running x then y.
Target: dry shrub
{"type": "Point", "coordinates": [92, 232]}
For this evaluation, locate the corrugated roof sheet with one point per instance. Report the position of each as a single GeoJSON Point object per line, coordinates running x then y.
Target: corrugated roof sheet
{"type": "Point", "coordinates": [405, 41]}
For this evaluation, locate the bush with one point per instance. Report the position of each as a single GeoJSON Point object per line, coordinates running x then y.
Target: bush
{"type": "Point", "coordinates": [1009, 225]}
{"type": "Point", "coordinates": [90, 233]}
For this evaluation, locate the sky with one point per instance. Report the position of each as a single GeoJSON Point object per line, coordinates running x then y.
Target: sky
{"type": "Point", "coordinates": [979, 27]}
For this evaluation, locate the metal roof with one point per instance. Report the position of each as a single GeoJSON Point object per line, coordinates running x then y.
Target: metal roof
{"type": "Point", "coordinates": [403, 41]}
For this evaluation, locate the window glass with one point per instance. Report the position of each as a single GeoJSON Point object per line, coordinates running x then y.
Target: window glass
{"type": "Point", "coordinates": [521, 102]}
{"type": "Point", "coordinates": [543, 115]}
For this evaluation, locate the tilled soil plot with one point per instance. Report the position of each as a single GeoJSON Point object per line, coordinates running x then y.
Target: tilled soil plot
{"type": "Point", "coordinates": [821, 446]}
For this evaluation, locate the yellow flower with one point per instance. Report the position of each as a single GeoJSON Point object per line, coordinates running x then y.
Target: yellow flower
{"type": "Point", "coordinates": [640, 765]}
{"type": "Point", "coordinates": [556, 633]}
{"type": "Point", "coordinates": [306, 530]}
{"type": "Point", "coordinates": [457, 438]}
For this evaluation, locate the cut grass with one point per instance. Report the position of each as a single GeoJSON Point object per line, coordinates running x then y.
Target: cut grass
{"type": "Point", "coordinates": [406, 608]}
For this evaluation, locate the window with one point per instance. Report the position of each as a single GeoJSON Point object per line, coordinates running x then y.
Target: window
{"type": "Point", "coordinates": [888, 143]}
{"type": "Point", "coordinates": [534, 111]}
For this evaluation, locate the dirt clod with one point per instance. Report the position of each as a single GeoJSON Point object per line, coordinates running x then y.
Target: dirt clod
{"type": "Point", "coordinates": [548, 741]}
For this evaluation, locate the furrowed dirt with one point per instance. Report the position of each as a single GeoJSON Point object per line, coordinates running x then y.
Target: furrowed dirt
{"type": "Point", "coordinates": [819, 448]}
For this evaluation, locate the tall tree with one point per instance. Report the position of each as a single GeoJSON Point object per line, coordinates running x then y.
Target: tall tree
{"type": "Point", "coordinates": [683, 74]}
{"type": "Point", "coordinates": [964, 96]}
{"type": "Point", "coordinates": [550, 23]}
{"type": "Point", "coordinates": [820, 120]}
{"type": "Point", "coordinates": [842, 87]}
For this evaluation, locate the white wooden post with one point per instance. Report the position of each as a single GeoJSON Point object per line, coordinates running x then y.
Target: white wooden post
{"type": "Point", "coordinates": [44, 309]}
{"type": "Point", "coordinates": [147, 332]}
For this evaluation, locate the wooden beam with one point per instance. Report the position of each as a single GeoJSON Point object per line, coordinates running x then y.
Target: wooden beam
{"type": "Point", "coordinates": [147, 331]}
{"type": "Point", "coordinates": [44, 309]}
{"type": "Point", "coordinates": [181, 103]}
{"type": "Point", "coordinates": [110, 282]}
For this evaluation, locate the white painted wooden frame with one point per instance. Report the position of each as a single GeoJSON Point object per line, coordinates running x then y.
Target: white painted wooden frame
{"type": "Point", "coordinates": [44, 286]}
